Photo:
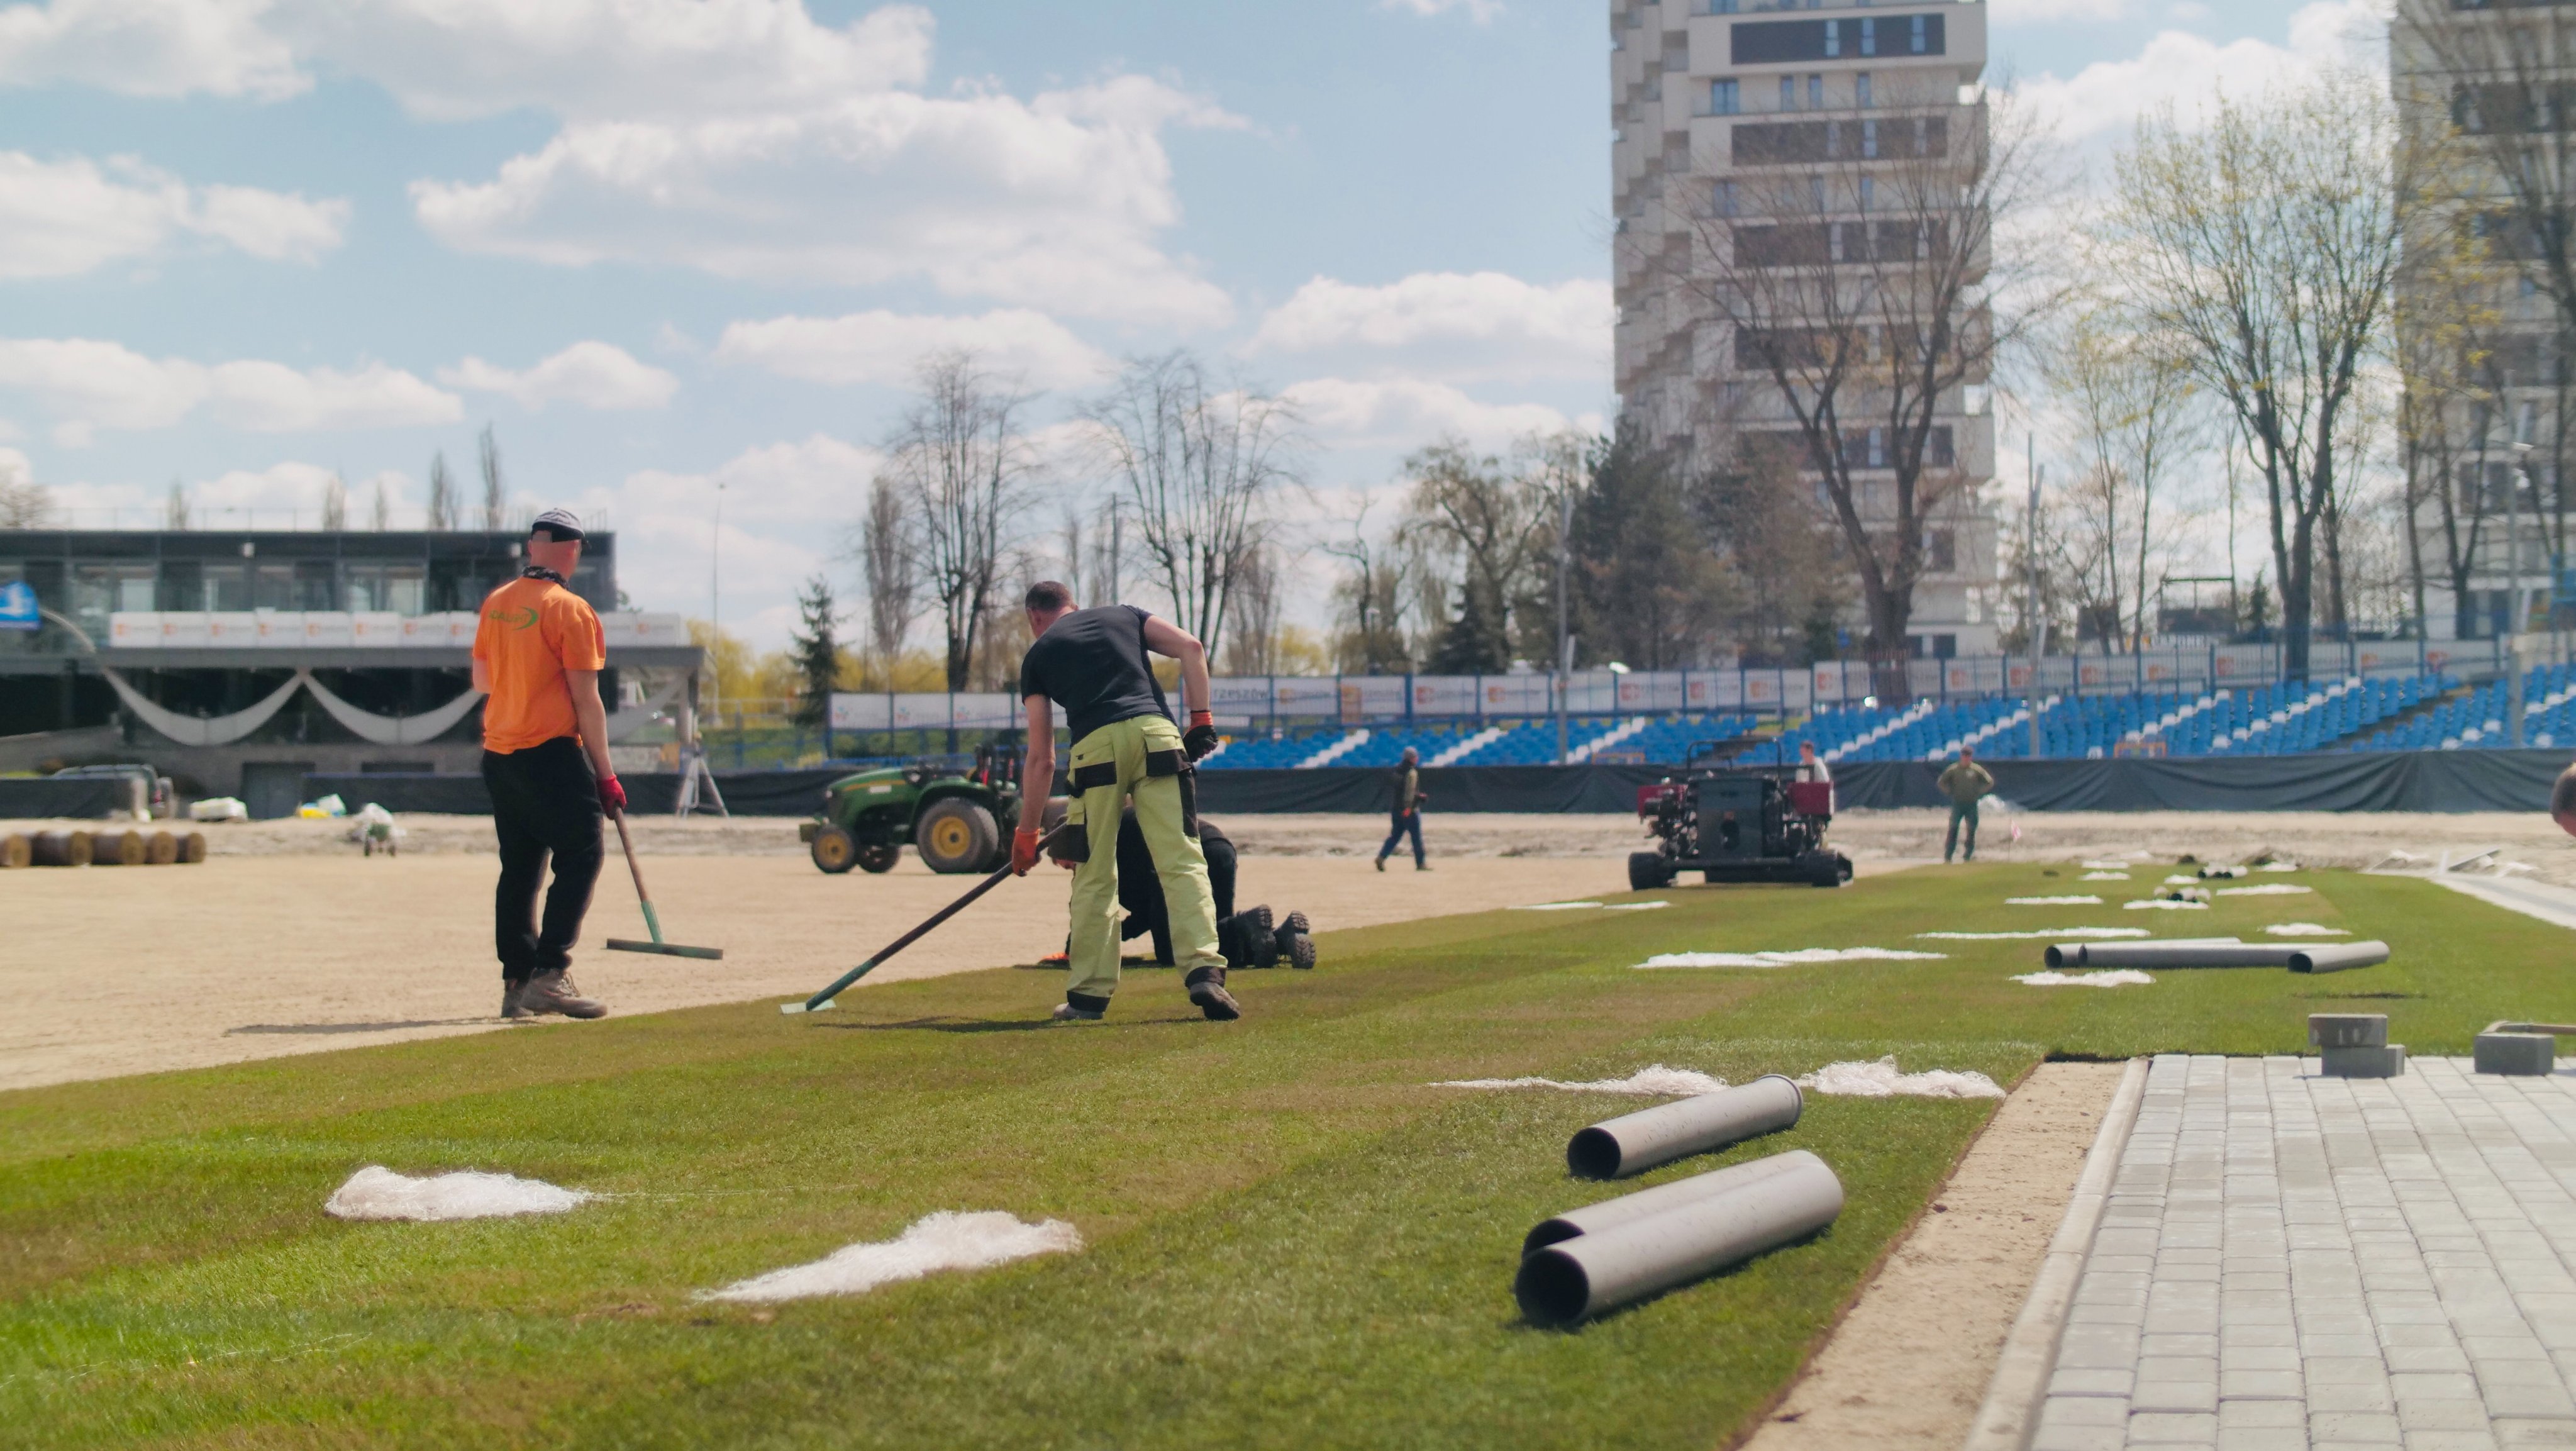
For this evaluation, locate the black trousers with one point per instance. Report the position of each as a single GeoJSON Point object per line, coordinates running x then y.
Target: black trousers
{"type": "Point", "coordinates": [1405, 822]}
{"type": "Point", "coordinates": [1140, 892]}
{"type": "Point", "coordinates": [545, 802]}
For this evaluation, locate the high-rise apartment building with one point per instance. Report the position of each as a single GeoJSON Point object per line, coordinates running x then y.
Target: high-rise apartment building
{"type": "Point", "coordinates": [1777, 167]}
{"type": "Point", "coordinates": [2486, 303]}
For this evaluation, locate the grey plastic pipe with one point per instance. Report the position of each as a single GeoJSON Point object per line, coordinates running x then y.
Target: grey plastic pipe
{"type": "Point", "coordinates": [2171, 954]}
{"type": "Point", "coordinates": [2339, 956]}
{"type": "Point", "coordinates": [1633, 1143]}
{"type": "Point", "coordinates": [1575, 1279]}
{"type": "Point", "coordinates": [1609, 1214]}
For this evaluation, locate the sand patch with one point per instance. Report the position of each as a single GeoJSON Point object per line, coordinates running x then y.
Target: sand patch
{"type": "Point", "coordinates": [1798, 958]}
{"type": "Point", "coordinates": [1909, 1365]}
{"type": "Point", "coordinates": [1653, 1080]}
{"type": "Point", "coordinates": [2306, 929]}
{"type": "Point", "coordinates": [1882, 1080]}
{"type": "Point", "coordinates": [2117, 977]}
{"type": "Point", "coordinates": [946, 1240]}
{"type": "Point", "coordinates": [2062, 932]}
{"type": "Point", "coordinates": [1634, 906]}
{"type": "Point", "coordinates": [376, 1192]}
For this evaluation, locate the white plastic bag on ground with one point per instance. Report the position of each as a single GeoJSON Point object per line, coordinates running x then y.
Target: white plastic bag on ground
{"type": "Point", "coordinates": [219, 808]}
{"type": "Point", "coordinates": [376, 1192]}
{"type": "Point", "coordinates": [946, 1240]}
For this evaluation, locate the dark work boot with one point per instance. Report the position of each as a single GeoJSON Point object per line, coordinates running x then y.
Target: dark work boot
{"type": "Point", "coordinates": [1294, 943]}
{"type": "Point", "coordinates": [1207, 989]}
{"type": "Point", "coordinates": [1260, 941]}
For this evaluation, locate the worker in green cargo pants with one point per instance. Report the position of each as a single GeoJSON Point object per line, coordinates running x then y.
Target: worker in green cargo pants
{"type": "Point", "coordinates": [1096, 664]}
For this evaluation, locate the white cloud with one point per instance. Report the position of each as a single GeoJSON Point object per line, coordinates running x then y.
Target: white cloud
{"type": "Point", "coordinates": [787, 508]}
{"type": "Point", "coordinates": [66, 217]}
{"type": "Point", "coordinates": [2041, 12]}
{"type": "Point", "coordinates": [2104, 100]}
{"type": "Point", "coordinates": [150, 47]}
{"type": "Point", "coordinates": [738, 137]}
{"type": "Point", "coordinates": [587, 374]}
{"type": "Point", "coordinates": [1053, 202]}
{"type": "Point", "coordinates": [89, 385]}
{"type": "Point", "coordinates": [883, 347]}
{"type": "Point", "coordinates": [1483, 324]}
{"type": "Point", "coordinates": [1479, 11]}
{"type": "Point", "coordinates": [1409, 412]}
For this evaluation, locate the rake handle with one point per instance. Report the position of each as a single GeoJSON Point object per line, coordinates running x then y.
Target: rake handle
{"type": "Point", "coordinates": [652, 922]}
{"type": "Point", "coordinates": [823, 999]}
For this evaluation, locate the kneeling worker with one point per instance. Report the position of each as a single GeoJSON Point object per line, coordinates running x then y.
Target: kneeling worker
{"type": "Point", "coordinates": [537, 654]}
{"type": "Point", "coordinates": [1094, 663]}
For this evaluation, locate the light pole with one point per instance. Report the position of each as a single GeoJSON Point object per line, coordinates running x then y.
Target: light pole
{"type": "Point", "coordinates": [2517, 615]}
{"type": "Point", "coordinates": [2030, 616]}
{"type": "Point", "coordinates": [1564, 641]}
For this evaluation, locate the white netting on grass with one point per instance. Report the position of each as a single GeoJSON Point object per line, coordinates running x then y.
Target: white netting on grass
{"type": "Point", "coordinates": [2117, 977]}
{"type": "Point", "coordinates": [1882, 1080]}
{"type": "Point", "coordinates": [2052, 901]}
{"type": "Point", "coordinates": [376, 1192]}
{"type": "Point", "coordinates": [947, 1240]}
{"type": "Point", "coordinates": [1799, 958]}
{"type": "Point", "coordinates": [2268, 889]}
{"type": "Point", "coordinates": [2044, 934]}
{"type": "Point", "coordinates": [2164, 904]}
{"type": "Point", "coordinates": [2306, 929]}
{"type": "Point", "coordinates": [1652, 1080]}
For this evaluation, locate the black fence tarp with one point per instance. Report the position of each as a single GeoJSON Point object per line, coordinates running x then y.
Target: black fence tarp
{"type": "Point", "coordinates": [24, 798]}
{"type": "Point", "coordinates": [2418, 781]}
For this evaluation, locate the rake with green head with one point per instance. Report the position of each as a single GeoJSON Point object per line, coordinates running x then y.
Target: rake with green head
{"type": "Point", "coordinates": [652, 922]}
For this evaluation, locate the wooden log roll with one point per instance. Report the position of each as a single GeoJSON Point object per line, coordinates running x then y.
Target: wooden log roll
{"type": "Point", "coordinates": [16, 851]}
{"type": "Point", "coordinates": [61, 848]}
{"type": "Point", "coordinates": [162, 850]}
{"type": "Point", "coordinates": [192, 848]}
{"type": "Point", "coordinates": [120, 849]}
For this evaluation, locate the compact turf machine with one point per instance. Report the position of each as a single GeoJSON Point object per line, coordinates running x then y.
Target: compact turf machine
{"type": "Point", "coordinates": [1737, 824]}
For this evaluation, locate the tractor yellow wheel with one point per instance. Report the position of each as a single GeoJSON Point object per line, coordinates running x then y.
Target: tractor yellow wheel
{"type": "Point", "coordinates": [957, 835]}
{"type": "Point", "coordinates": [835, 850]}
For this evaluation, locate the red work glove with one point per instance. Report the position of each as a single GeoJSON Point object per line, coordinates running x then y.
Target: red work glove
{"type": "Point", "coordinates": [1024, 851]}
{"type": "Point", "coordinates": [612, 796]}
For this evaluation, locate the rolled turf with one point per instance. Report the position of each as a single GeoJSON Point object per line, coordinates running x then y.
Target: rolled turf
{"type": "Point", "coordinates": [1293, 1239]}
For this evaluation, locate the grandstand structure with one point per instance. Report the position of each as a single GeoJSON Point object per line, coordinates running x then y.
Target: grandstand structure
{"type": "Point", "coordinates": [2429, 712]}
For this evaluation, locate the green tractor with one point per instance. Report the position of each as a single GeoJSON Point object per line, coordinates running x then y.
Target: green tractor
{"type": "Point", "coordinates": [960, 819]}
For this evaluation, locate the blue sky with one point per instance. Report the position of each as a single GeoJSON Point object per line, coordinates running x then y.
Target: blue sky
{"type": "Point", "coordinates": [654, 243]}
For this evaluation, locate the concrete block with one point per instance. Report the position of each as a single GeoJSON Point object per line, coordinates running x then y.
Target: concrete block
{"type": "Point", "coordinates": [2520, 1055]}
{"type": "Point", "coordinates": [2388, 1060]}
{"type": "Point", "coordinates": [2348, 1030]}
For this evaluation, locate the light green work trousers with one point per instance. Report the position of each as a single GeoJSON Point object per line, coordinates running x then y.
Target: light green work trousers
{"type": "Point", "coordinates": [1113, 759]}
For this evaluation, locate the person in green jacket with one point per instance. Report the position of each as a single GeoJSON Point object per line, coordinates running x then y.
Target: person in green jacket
{"type": "Point", "coordinates": [1966, 783]}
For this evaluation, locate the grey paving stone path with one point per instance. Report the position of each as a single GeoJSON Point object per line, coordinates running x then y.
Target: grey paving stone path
{"type": "Point", "coordinates": [2294, 1261]}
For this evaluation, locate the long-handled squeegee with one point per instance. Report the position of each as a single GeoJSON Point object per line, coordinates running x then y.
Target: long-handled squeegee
{"type": "Point", "coordinates": [652, 923]}
{"type": "Point", "coordinates": [822, 1000]}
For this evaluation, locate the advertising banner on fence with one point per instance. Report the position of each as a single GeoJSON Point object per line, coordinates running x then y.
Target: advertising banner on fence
{"type": "Point", "coordinates": [1372, 698]}
{"type": "Point", "coordinates": [1515, 694]}
{"type": "Point", "coordinates": [1444, 695]}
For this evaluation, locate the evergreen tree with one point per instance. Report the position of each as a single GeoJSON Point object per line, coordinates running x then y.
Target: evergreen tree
{"type": "Point", "coordinates": [1473, 643]}
{"type": "Point", "coordinates": [817, 654]}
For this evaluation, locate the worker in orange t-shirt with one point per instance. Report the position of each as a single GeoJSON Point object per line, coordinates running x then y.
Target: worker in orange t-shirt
{"type": "Point", "coordinates": [538, 653]}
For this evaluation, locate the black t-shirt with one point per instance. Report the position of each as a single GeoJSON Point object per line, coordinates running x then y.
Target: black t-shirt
{"type": "Point", "coordinates": [1092, 664]}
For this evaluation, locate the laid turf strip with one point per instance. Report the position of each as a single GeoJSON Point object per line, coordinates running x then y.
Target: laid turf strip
{"type": "Point", "coordinates": [1292, 1239]}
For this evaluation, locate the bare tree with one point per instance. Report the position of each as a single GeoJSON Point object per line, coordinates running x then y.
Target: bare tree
{"type": "Point", "coordinates": [1253, 647]}
{"type": "Point", "coordinates": [1483, 526]}
{"type": "Point", "coordinates": [2131, 394]}
{"type": "Point", "coordinates": [24, 503]}
{"type": "Point", "coordinates": [442, 494]}
{"type": "Point", "coordinates": [381, 516]}
{"type": "Point", "coordinates": [1856, 282]}
{"type": "Point", "coordinates": [886, 564]}
{"type": "Point", "coordinates": [175, 510]}
{"type": "Point", "coordinates": [1373, 600]}
{"type": "Point", "coordinates": [335, 504]}
{"type": "Point", "coordinates": [1199, 464]}
{"type": "Point", "coordinates": [2266, 241]}
{"type": "Point", "coordinates": [487, 452]}
{"type": "Point", "coordinates": [2445, 328]}
{"type": "Point", "coordinates": [961, 473]}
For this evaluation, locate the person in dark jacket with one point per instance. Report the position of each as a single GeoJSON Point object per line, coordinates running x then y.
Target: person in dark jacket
{"type": "Point", "coordinates": [1252, 938]}
{"type": "Point", "coordinates": [1409, 797]}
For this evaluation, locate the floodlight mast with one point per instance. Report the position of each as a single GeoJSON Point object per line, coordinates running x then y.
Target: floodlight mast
{"type": "Point", "coordinates": [2030, 567]}
{"type": "Point", "coordinates": [1564, 641]}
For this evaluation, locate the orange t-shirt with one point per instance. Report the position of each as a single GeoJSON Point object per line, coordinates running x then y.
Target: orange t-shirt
{"type": "Point", "coordinates": [533, 631]}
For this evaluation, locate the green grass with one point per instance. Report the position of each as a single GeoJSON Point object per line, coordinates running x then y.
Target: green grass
{"type": "Point", "coordinates": [1293, 1241]}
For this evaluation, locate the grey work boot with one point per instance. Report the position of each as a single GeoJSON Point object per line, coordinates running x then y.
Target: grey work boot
{"type": "Point", "coordinates": [1068, 1013]}
{"type": "Point", "coordinates": [1294, 942]}
{"type": "Point", "coordinates": [1207, 989]}
{"type": "Point", "coordinates": [553, 992]}
{"type": "Point", "coordinates": [510, 997]}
